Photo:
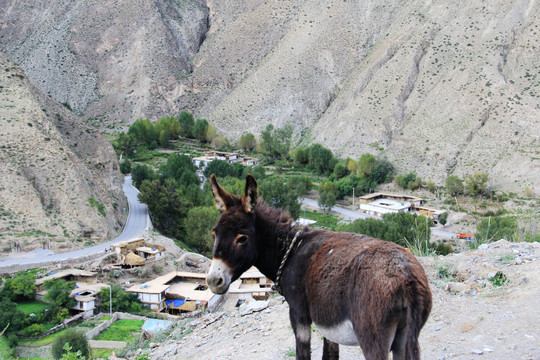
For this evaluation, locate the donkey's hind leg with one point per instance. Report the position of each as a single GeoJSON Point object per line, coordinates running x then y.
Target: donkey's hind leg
{"type": "Point", "coordinates": [330, 350]}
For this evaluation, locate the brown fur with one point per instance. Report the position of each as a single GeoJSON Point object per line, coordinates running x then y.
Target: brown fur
{"type": "Point", "coordinates": [329, 278]}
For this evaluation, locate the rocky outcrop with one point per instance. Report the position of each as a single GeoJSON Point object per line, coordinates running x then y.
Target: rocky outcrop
{"type": "Point", "coordinates": [60, 186]}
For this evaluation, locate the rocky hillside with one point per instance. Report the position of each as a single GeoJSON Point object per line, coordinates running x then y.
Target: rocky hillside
{"type": "Point", "coordinates": [59, 178]}
{"type": "Point", "coordinates": [113, 60]}
{"type": "Point", "coordinates": [471, 317]}
{"type": "Point", "coordinates": [439, 88]}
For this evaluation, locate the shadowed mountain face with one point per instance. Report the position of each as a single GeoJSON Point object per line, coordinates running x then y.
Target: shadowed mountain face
{"type": "Point", "coordinates": [59, 179]}
{"type": "Point", "coordinates": [439, 88]}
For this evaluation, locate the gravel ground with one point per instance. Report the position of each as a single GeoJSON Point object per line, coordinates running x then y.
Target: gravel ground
{"type": "Point", "coordinates": [471, 317]}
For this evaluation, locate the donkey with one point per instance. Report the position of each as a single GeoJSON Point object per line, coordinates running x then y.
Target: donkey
{"type": "Point", "coordinates": [356, 289]}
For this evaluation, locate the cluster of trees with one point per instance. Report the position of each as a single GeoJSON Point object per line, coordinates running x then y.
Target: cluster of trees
{"type": "Point", "coordinates": [151, 135]}
{"type": "Point", "coordinates": [180, 208]}
{"type": "Point", "coordinates": [496, 227]}
{"type": "Point", "coordinates": [122, 301]}
{"type": "Point", "coordinates": [405, 229]}
{"type": "Point", "coordinates": [408, 181]}
{"type": "Point", "coordinates": [22, 288]}
{"type": "Point", "coordinates": [472, 185]}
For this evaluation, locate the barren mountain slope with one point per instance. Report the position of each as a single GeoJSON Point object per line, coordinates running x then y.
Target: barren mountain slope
{"type": "Point", "coordinates": [59, 179]}
{"type": "Point", "coordinates": [109, 60]}
{"type": "Point", "coordinates": [443, 88]}
{"type": "Point", "coordinates": [438, 87]}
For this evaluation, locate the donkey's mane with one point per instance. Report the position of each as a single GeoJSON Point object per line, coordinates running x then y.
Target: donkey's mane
{"type": "Point", "coordinates": [276, 221]}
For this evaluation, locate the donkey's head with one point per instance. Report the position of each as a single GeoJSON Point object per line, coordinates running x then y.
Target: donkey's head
{"type": "Point", "coordinates": [235, 247]}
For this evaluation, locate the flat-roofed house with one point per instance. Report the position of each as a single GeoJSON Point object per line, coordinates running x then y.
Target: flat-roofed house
{"type": "Point", "coordinates": [176, 291]}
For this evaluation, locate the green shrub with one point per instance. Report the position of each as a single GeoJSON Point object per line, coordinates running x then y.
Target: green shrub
{"type": "Point", "coordinates": [76, 339]}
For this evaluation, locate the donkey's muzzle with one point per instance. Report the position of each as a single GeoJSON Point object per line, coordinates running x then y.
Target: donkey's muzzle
{"type": "Point", "coordinates": [219, 277]}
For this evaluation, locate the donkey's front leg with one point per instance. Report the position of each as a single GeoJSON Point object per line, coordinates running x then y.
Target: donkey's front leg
{"type": "Point", "coordinates": [302, 332]}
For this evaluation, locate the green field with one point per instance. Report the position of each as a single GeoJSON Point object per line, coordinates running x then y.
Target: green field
{"type": "Point", "coordinates": [324, 221]}
{"type": "Point", "coordinates": [32, 307]}
{"type": "Point", "coordinates": [121, 330]}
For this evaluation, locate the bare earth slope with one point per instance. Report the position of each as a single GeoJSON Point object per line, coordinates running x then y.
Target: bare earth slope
{"type": "Point", "coordinates": [472, 319]}
{"type": "Point", "coordinates": [442, 88]}
{"type": "Point", "coordinates": [109, 60]}
{"type": "Point", "coordinates": [59, 179]}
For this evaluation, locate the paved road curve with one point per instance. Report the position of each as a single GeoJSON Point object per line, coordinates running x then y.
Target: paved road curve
{"type": "Point", "coordinates": [137, 222]}
{"type": "Point", "coordinates": [353, 215]}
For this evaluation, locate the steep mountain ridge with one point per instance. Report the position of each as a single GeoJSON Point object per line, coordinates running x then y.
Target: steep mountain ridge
{"type": "Point", "coordinates": [440, 88]}
{"type": "Point", "coordinates": [60, 178]}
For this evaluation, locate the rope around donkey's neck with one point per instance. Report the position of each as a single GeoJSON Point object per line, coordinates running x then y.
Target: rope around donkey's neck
{"type": "Point", "coordinates": [285, 258]}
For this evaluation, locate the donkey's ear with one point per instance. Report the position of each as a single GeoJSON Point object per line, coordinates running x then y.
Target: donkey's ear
{"type": "Point", "coordinates": [223, 199]}
{"type": "Point", "coordinates": [250, 195]}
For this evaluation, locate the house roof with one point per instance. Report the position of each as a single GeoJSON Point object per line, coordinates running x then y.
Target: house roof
{"type": "Point", "coordinates": [133, 259]}
{"type": "Point", "coordinates": [187, 290]}
{"type": "Point", "coordinates": [148, 250]}
{"type": "Point", "coordinates": [390, 196]}
{"type": "Point", "coordinates": [161, 283]}
{"type": "Point", "coordinates": [64, 273]}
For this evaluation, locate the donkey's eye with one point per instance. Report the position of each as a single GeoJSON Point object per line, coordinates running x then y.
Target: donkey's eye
{"type": "Point", "coordinates": [241, 239]}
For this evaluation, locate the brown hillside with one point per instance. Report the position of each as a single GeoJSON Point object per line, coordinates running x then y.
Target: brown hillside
{"type": "Point", "coordinates": [52, 165]}
{"type": "Point", "coordinates": [438, 88]}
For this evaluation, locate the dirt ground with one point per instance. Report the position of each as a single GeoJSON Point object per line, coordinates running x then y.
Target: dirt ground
{"type": "Point", "coordinates": [472, 317]}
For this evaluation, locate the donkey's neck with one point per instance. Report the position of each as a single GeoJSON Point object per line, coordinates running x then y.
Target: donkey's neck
{"type": "Point", "coordinates": [274, 232]}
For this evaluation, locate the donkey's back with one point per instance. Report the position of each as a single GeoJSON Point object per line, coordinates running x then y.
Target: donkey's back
{"type": "Point", "coordinates": [377, 290]}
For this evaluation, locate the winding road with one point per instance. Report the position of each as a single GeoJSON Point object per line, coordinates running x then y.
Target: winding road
{"type": "Point", "coordinates": [137, 222]}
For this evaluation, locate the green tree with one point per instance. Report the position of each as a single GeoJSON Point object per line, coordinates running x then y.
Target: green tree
{"type": "Point", "coordinates": [222, 168]}
{"type": "Point", "coordinates": [139, 173]}
{"type": "Point", "coordinates": [164, 138]}
{"type": "Point", "coordinates": [344, 187]}
{"type": "Point", "coordinates": [247, 142]}
{"type": "Point", "coordinates": [476, 184]}
{"type": "Point", "coordinates": [143, 131]}
{"type": "Point", "coordinates": [76, 341]}
{"type": "Point", "coordinates": [300, 184]}
{"type": "Point", "coordinates": [125, 166]}
{"type": "Point", "coordinates": [340, 170]}
{"type": "Point", "coordinates": [430, 185]}
{"type": "Point", "coordinates": [122, 301]}
{"type": "Point", "coordinates": [22, 287]}
{"type": "Point", "coordinates": [383, 171]}
{"type": "Point", "coordinates": [327, 196]}
{"type": "Point", "coordinates": [199, 130]}
{"type": "Point", "coordinates": [185, 119]}
{"type": "Point", "coordinates": [495, 228]}
{"type": "Point", "coordinates": [454, 185]}
{"type": "Point", "coordinates": [58, 293]}
{"type": "Point", "coordinates": [276, 193]}
{"type": "Point", "coordinates": [211, 135]}
{"type": "Point", "coordinates": [401, 228]}
{"type": "Point", "coordinates": [166, 205]}
{"type": "Point", "coordinates": [125, 144]}
{"type": "Point", "coordinates": [366, 165]}
{"type": "Point", "coordinates": [276, 143]}
{"type": "Point", "coordinates": [11, 319]}
{"type": "Point", "coordinates": [199, 223]}
{"type": "Point", "coordinates": [301, 155]}
{"type": "Point", "coordinates": [321, 159]}
{"type": "Point", "coordinates": [181, 168]}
